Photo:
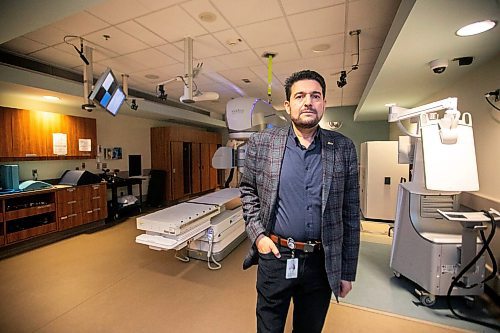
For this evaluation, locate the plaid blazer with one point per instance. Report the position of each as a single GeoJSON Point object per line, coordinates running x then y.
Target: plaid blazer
{"type": "Point", "coordinates": [340, 225]}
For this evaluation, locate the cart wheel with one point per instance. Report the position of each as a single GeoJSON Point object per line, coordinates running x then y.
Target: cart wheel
{"type": "Point", "coordinates": [428, 300]}
{"type": "Point", "coordinates": [397, 274]}
{"type": "Point", "coordinates": [116, 216]}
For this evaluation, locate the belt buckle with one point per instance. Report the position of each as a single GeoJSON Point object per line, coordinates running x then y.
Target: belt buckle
{"type": "Point", "coordinates": [309, 247]}
{"type": "Point", "coordinates": [290, 242]}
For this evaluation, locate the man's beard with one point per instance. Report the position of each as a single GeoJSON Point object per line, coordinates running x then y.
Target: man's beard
{"type": "Point", "coordinates": [306, 123]}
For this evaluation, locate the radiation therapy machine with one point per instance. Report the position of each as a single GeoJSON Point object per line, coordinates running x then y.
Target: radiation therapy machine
{"type": "Point", "coordinates": [209, 227]}
{"type": "Point", "coordinates": [435, 245]}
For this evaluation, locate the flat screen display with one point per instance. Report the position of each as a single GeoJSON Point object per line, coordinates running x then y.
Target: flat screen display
{"type": "Point", "coordinates": [107, 93]}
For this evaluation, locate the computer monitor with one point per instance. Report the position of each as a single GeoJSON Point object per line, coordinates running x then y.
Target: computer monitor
{"type": "Point", "coordinates": [134, 165]}
{"type": "Point", "coordinates": [107, 92]}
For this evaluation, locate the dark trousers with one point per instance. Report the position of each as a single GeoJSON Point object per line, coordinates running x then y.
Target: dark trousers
{"type": "Point", "coordinates": [310, 292]}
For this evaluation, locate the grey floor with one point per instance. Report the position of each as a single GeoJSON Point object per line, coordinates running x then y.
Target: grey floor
{"type": "Point", "coordinates": [377, 287]}
{"type": "Point", "coordinates": [105, 282]}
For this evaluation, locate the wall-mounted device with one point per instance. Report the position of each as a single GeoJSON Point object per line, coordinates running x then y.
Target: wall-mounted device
{"type": "Point", "coordinates": [107, 92]}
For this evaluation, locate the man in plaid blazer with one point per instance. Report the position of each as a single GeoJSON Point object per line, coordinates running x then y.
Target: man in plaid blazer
{"type": "Point", "coordinates": [300, 196]}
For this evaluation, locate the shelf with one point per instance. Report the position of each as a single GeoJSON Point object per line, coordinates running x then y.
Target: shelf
{"type": "Point", "coordinates": [31, 232]}
{"type": "Point", "coordinates": [25, 212]}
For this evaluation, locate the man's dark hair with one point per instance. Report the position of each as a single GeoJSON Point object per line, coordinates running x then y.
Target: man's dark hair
{"type": "Point", "coordinates": [303, 75]}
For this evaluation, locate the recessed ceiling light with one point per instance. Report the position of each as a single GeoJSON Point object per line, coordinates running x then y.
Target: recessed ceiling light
{"type": "Point", "coordinates": [151, 76]}
{"type": "Point", "coordinates": [51, 98]}
{"type": "Point", "coordinates": [246, 80]}
{"type": "Point", "coordinates": [476, 28]}
{"type": "Point", "coordinates": [320, 48]}
{"type": "Point", "coordinates": [207, 17]}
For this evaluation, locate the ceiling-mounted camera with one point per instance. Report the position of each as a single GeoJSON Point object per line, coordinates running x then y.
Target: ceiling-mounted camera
{"type": "Point", "coordinates": [133, 105]}
{"type": "Point", "coordinates": [161, 92]}
{"type": "Point", "coordinates": [342, 79]}
{"type": "Point", "coordinates": [88, 107]}
{"type": "Point", "coordinates": [438, 66]}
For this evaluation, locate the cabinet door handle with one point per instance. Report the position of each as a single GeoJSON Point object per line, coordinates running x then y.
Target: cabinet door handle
{"type": "Point", "coordinates": [72, 215]}
{"type": "Point", "coordinates": [71, 202]}
{"type": "Point", "coordinates": [64, 217]}
{"type": "Point", "coordinates": [97, 209]}
{"type": "Point", "coordinates": [95, 198]}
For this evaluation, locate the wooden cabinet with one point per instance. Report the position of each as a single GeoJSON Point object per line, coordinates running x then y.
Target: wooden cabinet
{"type": "Point", "coordinates": [6, 133]}
{"type": "Point", "coordinates": [80, 205]}
{"type": "Point", "coordinates": [94, 203]}
{"type": "Point", "coordinates": [29, 134]}
{"type": "Point", "coordinates": [185, 155]}
{"type": "Point", "coordinates": [28, 215]}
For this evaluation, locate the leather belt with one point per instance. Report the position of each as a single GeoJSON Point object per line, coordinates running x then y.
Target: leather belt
{"type": "Point", "coordinates": [294, 245]}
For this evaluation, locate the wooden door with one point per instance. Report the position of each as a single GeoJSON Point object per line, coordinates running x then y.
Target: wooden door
{"type": "Point", "coordinates": [177, 180]}
{"type": "Point", "coordinates": [205, 166]}
{"type": "Point", "coordinates": [195, 167]}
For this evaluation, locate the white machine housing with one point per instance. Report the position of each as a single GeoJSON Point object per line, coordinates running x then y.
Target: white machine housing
{"type": "Point", "coordinates": [176, 227]}
{"type": "Point", "coordinates": [427, 248]}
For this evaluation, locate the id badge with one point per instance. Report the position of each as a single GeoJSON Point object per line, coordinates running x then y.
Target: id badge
{"type": "Point", "coordinates": [292, 267]}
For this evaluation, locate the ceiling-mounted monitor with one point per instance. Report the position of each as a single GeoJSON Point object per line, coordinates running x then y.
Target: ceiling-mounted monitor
{"type": "Point", "coordinates": [107, 92]}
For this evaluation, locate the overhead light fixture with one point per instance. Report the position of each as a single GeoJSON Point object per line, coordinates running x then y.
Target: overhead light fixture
{"type": "Point", "coordinates": [320, 48]}
{"type": "Point", "coordinates": [51, 98]}
{"type": "Point", "coordinates": [476, 28]}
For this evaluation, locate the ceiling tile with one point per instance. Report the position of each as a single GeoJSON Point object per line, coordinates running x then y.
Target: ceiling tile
{"type": "Point", "coordinates": [213, 64]}
{"type": "Point", "coordinates": [172, 24]}
{"type": "Point", "coordinates": [123, 65]}
{"type": "Point", "coordinates": [231, 36]}
{"type": "Point", "coordinates": [52, 55]}
{"type": "Point", "coordinates": [151, 58]}
{"type": "Point", "coordinates": [138, 31]}
{"type": "Point", "coordinates": [196, 7]}
{"type": "Point", "coordinates": [154, 5]}
{"type": "Point", "coordinates": [336, 43]}
{"type": "Point", "coordinates": [116, 11]}
{"type": "Point", "coordinates": [323, 22]}
{"type": "Point", "coordinates": [300, 6]}
{"type": "Point", "coordinates": [204, 47]}
{"type": "Point", "coordinates": [240, 59]}
{"type": "Point", "coordinates": [275, 31]}
{"type": "Point", "coordinates": [172, 51]}
{"type": "Point", "coordinates": [80, 24]}
{"type": "Point", "coordinates": [118, 42]}
{"type": "Point", "coordinates": [23, 45]}
{"type": "Point", "coordinates": [240, 13]}
{"type": "Point", "coordinates": [47, 35]}
{"type": "Point", "coordinates": [98, 53]}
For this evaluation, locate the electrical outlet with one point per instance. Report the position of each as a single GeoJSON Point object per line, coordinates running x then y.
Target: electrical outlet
{"type": "Point", "coordinates": [34, 173]}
